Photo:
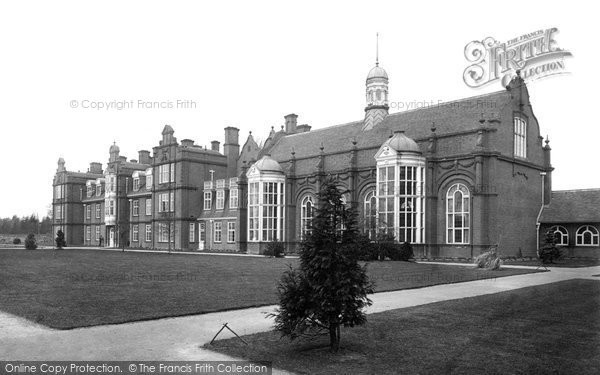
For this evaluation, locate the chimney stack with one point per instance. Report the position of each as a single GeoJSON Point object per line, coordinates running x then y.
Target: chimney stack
{"type": "Point", "coordinates": [144, 157]}
{"type": "Point", "coordinates": [231, 149]}
{"type": "Point", "coordinates": [214, 145]}
{"type": "Point", "coordinates": [303, 128]}
{"type": "Point", "coordinates": [96, 167]}
{"type": "Point", "coordinates": [290, 123]}
{"type": "Point", "coordinates": [187, 142]}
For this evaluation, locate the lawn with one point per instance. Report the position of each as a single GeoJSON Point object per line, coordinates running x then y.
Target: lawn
{"type": "Point", "coordinates": [75, 288]}
{"type": "Point", "coordinates": [548, 329]}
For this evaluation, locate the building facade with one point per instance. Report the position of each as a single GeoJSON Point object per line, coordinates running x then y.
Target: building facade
{"type": "Point", "coordinates": [454, 179]}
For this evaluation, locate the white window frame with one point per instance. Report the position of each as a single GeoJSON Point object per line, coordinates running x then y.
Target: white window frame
{"type": "Point", "coordinates": [88, 233]}
{"type": "Point", "coordinates": [172, 172]}
{"type": "Point", "coordinates": [164, 173]}
{"type": "Point", "coordinates": [89, 191]}
{"type": "Point", "coordinates": [207, 200]}
{"type": "Point", "coordinates": [192, 234]}
{"type": "Point", "coordinates": [148, 232]}
{"type": "Point", "coordinates": [562, 232]}
{"type": "Point", "coordinates": [98, 190]}
{"type": "Point", "coordinates": [148, 182]}
{"type": "Point", "coordinates": [307, 214]}
{"type": "Point", "coordinates": [520, 137]}
{"type": "Point", "coordinates": [88, 211]}
{"type": "Point", "coordinates": [231, 232]}
{"type": "Point", "coordinates": [135, 233]}
{"type": "Point", "coordinates": [98, 210]}
{"type": "Point", "coordinates": [163, 202]}
{"type": "Point", "coordinates": [266, 205]}
{"type": "Point", "coordinates": [464, 211]}
{"type": "Point", "coordinates": [136, 207]}
{"type": "Point", "coordinates": [148, 207]}
{"type": "Point", "coordinates": [136, 184]}
{"type": "Point", "coordinates": [220, 200]}
{"type": "Point", "coordinates": [370, 214]}
{"type": "Point", "coordinates": [233, 198]}
{"type": "Point", "coordinates": [218, 232]}
{"type": "Point", "coordinates": [582, 231]}
{"type": "Point", "coordinates": [97, 230]}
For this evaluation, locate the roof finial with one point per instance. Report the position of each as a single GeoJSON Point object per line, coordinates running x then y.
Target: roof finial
{"type": "Point", "coordinates": [377, 50]}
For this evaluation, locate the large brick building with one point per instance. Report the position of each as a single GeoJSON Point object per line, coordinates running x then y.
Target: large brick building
{"type": "Point", "coordinates": [454, 179]}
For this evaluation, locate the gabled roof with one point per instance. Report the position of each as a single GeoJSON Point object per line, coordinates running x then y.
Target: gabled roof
{"type": "Point", "coordinates": [573, 206]}
{"type": "Point", "coordinates": [449, 117]}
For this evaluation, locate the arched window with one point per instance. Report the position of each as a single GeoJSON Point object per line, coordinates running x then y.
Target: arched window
{"type": "Point", "coordinates": [587, 235]}
{"type": "Point", "coordinates": [457, 214]}
{"type": "Point", "coordinates": [561, 236]}
{"type": "Point", "coordinates": [520, 147]}
{"type": "Point", "coordinates": [306, 216]}
{"type": "Point", "coordinates": [370, 214]}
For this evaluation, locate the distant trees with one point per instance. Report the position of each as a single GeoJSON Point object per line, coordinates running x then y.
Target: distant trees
{"type": "Point", "coordinates": [25, 224]}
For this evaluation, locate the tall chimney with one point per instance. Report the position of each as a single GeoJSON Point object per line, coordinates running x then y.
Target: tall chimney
{"type": "Point", "coordinates": [231, 149]}
{"type": "Point", "coordinates": [290, 123]}
{"type": "Point", "coordinates": [214, 145]}
{"type": "Point", "coordinates": [96, 167]}
{"type": "Point", "coordinates": [144, 157]}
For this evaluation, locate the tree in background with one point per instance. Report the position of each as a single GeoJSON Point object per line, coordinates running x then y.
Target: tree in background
{"type": "Point", "coordinates": [26, 224]}
{"type": "Point", "coordinates": [330, 288]}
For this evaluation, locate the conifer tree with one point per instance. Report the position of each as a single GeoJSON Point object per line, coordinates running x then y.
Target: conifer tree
{"type": "Point", "coordinates": [330, 288]}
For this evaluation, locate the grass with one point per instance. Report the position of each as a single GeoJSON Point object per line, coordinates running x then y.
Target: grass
{"type": "Point", "coordinates": [548, 329]}
{"type": "Point", "coordinates": [75, 288]}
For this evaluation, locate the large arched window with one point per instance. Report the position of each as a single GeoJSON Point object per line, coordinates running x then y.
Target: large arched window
{"type": "Point", "coordinates": [561, 236]}
{"type": "Point", "coordinates": [587, 235]}
{"type": "Point", "coordinates": [457, 214]}
{"type": "Point", "coordinates": [306, 216]}
{"type": "Point", "coordinates": [370, 214]}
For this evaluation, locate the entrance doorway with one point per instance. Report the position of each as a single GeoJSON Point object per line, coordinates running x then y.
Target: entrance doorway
{"type": "Point", "coordinates": [111, 237]}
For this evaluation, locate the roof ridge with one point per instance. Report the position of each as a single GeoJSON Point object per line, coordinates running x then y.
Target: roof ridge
{"type": "Point", "coordinates": [439, 104]}
{"type": "Point", "coordinates": [575, 190]}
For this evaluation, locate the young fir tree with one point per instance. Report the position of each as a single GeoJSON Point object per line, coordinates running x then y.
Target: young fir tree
{"type": "Point", "coordinates": [330, 288]}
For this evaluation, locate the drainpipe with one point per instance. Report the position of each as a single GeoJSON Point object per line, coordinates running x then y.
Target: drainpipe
{"type": "Point", "coordinates": [537, 221]}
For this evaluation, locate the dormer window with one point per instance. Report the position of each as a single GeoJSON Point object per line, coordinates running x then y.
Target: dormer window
{"type": "Point", "coordinates": [136, 184]}
{"type": "Point", "coordinates": [90, 190]}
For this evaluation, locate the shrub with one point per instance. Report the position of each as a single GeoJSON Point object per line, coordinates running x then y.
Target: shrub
{"type": "Point", "coordinates": [488, 260]}
{"type": "Point", "coordinates": [60, 239]}
{"type": "Point", "coordinates": [30, 242]}
{"type": "Point", "coordinates": [402, 252]}
{"type": "Point", "coordinates": [17, 241]}
{"type": "Point", "coordinates": [275, 249]}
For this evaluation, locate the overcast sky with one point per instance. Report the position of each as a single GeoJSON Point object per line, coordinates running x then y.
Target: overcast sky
{"type": "Point", "coordinates": [249, 63]}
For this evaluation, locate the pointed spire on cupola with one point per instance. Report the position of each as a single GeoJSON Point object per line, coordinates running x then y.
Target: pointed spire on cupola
{"type": "Point", "coordinates": [377, 94]}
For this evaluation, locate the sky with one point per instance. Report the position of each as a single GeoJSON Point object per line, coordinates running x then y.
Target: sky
{"type": "Point", "coordinates": [249, 63]}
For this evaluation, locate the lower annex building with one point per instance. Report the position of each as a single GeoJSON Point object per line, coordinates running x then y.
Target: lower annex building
{"type": "Point", "coordinates": [454, 179]}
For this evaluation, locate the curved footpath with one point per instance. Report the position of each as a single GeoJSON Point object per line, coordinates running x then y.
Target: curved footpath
{"type": "Point", "coordinates": [182, 338]}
